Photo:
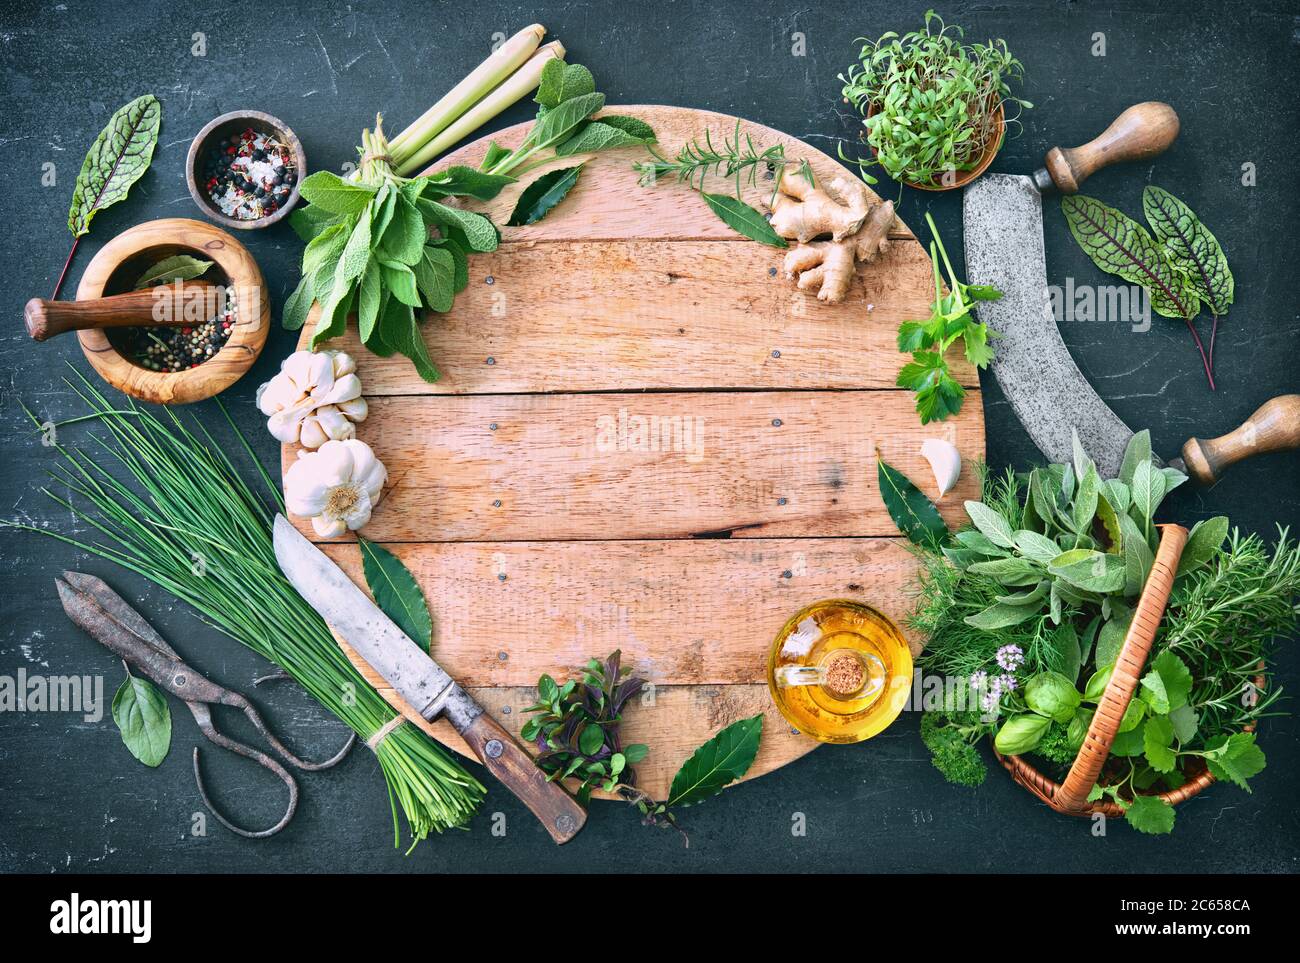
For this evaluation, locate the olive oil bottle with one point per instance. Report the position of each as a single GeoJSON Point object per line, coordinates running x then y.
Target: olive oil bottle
{"type": "Point", "coordinates": [839, 671]}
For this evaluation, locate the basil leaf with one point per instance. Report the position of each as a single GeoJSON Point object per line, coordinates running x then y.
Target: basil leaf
{"type": "Point", "coordinates": [1191, 247]}
{"type": "Point", "coordinates": [116, 160]}
{"type": "Point", "coordinates": [1119, 245]}
{"type": "Point", "coordinates": [1020, 734]}
{"type": "Point", "coordinates": [182, 267]}
{"type": "Point", "coordinates": [329, 191]}
{"type": "Point", "coordinates": [744, 219]}
{"type": "Point", "coordinates": [1052, 694]}
{"type": "Point", "coordinates": [397, 592]}
{"type": "Point", "coordinates": [913, 513]}
{"type": "Point", "coordinates": [720, 761]}
{"type": "Point", "coordinates": [542, 195]}
{"type": "Point", "coordinates": [141, 713]}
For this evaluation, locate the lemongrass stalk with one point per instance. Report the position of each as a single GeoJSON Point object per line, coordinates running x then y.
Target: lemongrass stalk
{"type": "Point", "coordinates": [503, 62]}
{"type": "Point", "coordinates": [523, 82]}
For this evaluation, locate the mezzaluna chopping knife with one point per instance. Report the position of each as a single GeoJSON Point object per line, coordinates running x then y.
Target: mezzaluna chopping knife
{"type": "Point", "coordinates": [1003, 215]}
{"type": "Point", "coordinates": [419, 680]}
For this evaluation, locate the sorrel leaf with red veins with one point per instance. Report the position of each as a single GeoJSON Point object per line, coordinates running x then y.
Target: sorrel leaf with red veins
{"type": "Point", "coordinates": [116, 160]}
{"type": "Point", "coordinates": [1191, 248]}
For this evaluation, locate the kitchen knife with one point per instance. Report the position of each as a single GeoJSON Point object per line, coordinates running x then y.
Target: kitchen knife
{"type": "Point", "coordinates": [418, 679]}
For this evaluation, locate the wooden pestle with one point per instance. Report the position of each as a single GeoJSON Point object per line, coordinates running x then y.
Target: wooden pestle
{"type": "Point", "coordinates": [163, 305]}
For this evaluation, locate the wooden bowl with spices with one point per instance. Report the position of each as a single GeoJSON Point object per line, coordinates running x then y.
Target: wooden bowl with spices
{"type": "Point", "coordinates": [244, 168]}
{"type": "Point", "coordinates": [194, 361]}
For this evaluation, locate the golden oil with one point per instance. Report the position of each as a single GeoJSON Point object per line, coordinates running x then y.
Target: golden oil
{"type": "Point", "coordinates": [839, 671]}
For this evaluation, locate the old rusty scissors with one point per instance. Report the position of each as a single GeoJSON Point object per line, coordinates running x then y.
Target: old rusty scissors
{"type": "Point", "coordinates": [106, 616]}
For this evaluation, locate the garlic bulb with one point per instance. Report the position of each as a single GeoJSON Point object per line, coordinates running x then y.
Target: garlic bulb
{"type": "Point", "coordinates": [316, 397]}
{"type": "Point", "coordinates": [335, 486]}
{"type": "Point", "coordinates": [945, 462]}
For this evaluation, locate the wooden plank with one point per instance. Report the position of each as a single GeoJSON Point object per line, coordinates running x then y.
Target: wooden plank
{"type": "Point", "coordinates": [624, 315]}
{"type": "Point", "coordinates": [661, 465]}
{"type": "Point", "coordinates": [609, 203]}
{"type": "Point", "coordinates": [682, 611]}
{"type": "Point", "coordinates": [677, 720]}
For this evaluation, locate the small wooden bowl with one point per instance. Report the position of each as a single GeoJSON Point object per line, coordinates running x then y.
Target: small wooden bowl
{"type": "Point", "coordinates": [223, 127]}
{"type": "Point", "coordinates": [117, 267]}
{"type": "Point", "coordinates": [963, 178]}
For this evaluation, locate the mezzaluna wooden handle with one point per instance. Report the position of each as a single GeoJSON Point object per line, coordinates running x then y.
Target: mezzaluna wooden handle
{"type": "Point", "coordinates": [559, 812]}
{"type": "Point", "coordinates": [1275, 426]}
{"type": "Point", "coordinates": [1144, 130]}
{"type": "Point", "coordinates": [161, 306]}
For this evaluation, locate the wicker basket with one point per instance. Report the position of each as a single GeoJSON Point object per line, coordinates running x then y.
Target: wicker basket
{"type": "Point", "coordinates": [1071, 796]}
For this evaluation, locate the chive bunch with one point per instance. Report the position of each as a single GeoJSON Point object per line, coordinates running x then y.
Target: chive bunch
{"type": "Point", "coordinates": [175, 510]}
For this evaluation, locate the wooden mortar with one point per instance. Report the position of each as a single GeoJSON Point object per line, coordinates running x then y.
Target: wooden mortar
{"type": "Point", "coordinates": [117, 267]}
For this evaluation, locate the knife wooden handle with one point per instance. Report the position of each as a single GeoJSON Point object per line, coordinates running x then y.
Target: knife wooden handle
{"type": "Point", "coordinates": [559, 812]}
{"type": "Point", "coordinates": [160, 306]}
{"type": "Point", "coordinates": [1144, 130]}
{"type": "Point", "coordinates": [1275, 426]}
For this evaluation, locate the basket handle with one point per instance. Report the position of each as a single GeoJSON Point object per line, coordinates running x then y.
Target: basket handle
{"type": "Point", "coordinates": [1073, 793]}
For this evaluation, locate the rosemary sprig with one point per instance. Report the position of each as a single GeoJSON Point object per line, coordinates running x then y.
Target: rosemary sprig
{"type": "Point", "coordinates": [738, 159]}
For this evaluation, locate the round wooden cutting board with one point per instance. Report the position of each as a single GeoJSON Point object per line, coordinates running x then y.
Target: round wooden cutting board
{"type": "Point", "coordinates": [546, 522]}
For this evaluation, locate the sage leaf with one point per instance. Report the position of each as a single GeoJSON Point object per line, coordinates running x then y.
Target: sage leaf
{"type": "Point", "coordinates": [1191, 247]}
{"type": "Point", "coordinates": [1138, 557]}
{"type": "Point", "coordinates": [1000, 616]}
{"type": "Point", "coordinates": [561, 121]}
{"type": "Point", "coordinates": [404, 238]}
{"type": "Point", "coordinates": [996, 528]}
{"type": "Point", "coordinates": [308, 221]}
{"type": "Point", "coordinates": [1111, 638]}
{"type": "Point", "coordinates": [1009, 571]}
{"type": "Point", "coordinates": [397, 592]}
{"type": "Point", "coordinates": [1119, 245]}
{"type": "Point", "coordinates": [116, 160]}
{"type": "Point", "coordinates": [599, 135]}
{"type": "Point", "coordinates": [298, 305]}
{"type": "Point", "coordinates": [327, 190]}
{"type": "Point", "coordinates": [543, 194]}
{"type": "Point", "coordinates": [913, 513]}
{"type": "Point", "coordinates": [181, 267]}
{"type": "Point", "coordinates": [1136, 452]}
{"type": "Point", "coordinates": [562, 81]}
{"type": "Point", "coordinates": [1203, 543]}
{"type": "Point", "coordinates": [402, 332]}
{"type": "Point", "coordinates": [744, 219]}
{"type": "Point", "coordinates": [435, 276]}
{"type": "Point", "coordinates": [478, 233]}
{"type": "Point", "coordinates": [466, 181]}
{"type": "Point", "coordinates": [368, 298]}
{"type": "Point", "coordinates": [400, 280]}
{"type": "Point", "coordinates": [1150, 814]}
{"type": "Point", "coordinates": [1148, 491]}
{"type": "Point", "coordinates": [1085, 502]}
{"type": "Point", "coordinates": [1089, 570]}
{"type": "Point", "coordinates": [720, 761]}
{"type": "Point", "coordinates": [142, 716]}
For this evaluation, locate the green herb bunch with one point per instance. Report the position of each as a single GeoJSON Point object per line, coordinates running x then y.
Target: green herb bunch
{"type": "Point", "coordinates": [935, 99]}
{"type": "Point", "coordinates": [1031, 604]}
{"type": "Point", "coordinates": [938, 393]}
{"type": "Point", "coordinates": [576, 727]}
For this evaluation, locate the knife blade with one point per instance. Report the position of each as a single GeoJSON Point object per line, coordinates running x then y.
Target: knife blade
{"type": "Point", "coordinates": [1003, 217]}
{"type": "Point", "coordinates": [419, 679]}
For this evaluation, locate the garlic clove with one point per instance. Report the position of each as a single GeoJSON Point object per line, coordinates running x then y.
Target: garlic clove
{"type": "Point", "coordinates": [344, 389]}
{"type": "Point", "coordinates": [945, 462]}
{"type": "Point", "coordinates": [355, 410]}
{"type": "Point", "coordinates": [328, 527]}
{"type": "Point", "coordinates": [331, 423]}
{"type": "Point", "coordinates": [343, 364]}
{"type": "Point", "coordinates": [313, 434]}
{"type": "Point", "coordinates": [297, 368]}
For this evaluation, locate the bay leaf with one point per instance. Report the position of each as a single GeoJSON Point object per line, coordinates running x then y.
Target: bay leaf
{"type": "Point", "coordinates": [397, 592]}
{"type": "Point", "coordinates": [720, 761]}
{"type": "Point", "coordinates": [744, 219]}
{"type": "Point", "coordinates": [181, 267]}
{"type": "Point", "coordinates": [913, 513]}
{"type": "Point", "coordinates": [543, 194]}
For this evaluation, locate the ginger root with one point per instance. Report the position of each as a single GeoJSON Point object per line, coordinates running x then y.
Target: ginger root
{"type": "Point", "coordinates": [858, 229]}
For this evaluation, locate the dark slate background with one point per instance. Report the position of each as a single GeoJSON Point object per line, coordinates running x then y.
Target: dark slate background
{"type": "Point", "coordinates": [70, 796]}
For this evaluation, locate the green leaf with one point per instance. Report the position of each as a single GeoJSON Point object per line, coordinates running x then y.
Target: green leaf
{"type": "Point", "coordinates": [1137, 452]}
{"type": "Point", "coordinates": [1157, 744]}
{"type": "Point", "coordinates": [435, 276]}
{"type": "Point", "coordinates": [744, 219]}
{"type": "Point", "coordinates": [477, 232]}
{"type": "Point", "coordinates": [1155, 694]}
{"type": "Point", "coordinates": [561, 81]}
{"type": "Point", "coordinates": [633, 126]}
{"type": "Point", "coordinates": [1084, 509]}
{"type": "Point", "coordinates": [1235, 758]}
{"type": "Point", "coordinates": [1191, 247]}
{"type": "Point", "coordinates": [181, 267]}
{"type": "Point", "coordinates": [558, 122]}
{"type": "Point", "coordinates": [591, 740]}
{"type": "Point", "coordinates": [636, 752]}
{"type": "Point", "coordinates": [324, 250]}
{"type": "Point", "coordinates": [141, 713]}
{"type": "Point", "coordinates": [356, 253]}
{"type": "Point", "coordinates": [466, 181]}
{"type": "Point", "coordinates": [1150, 814]}
{"type": "Point", "coordinates": [543, 194]}
{"type": "Point", "coordinates": [297, 305]}
{"type": "Point", "coordinates": [1130, 742]}
{"type": "Point", "coordinates": [1038, 548]}
{"type": "Point", "coordinates": [1176, 677]}
{"type": "Point", "coordinates": [1020, 734]}
{"type": "Point", "coordinates": [1009, 571]}
{"type": "Point", "coordinates": [1052, 694]}
{"type": "Point", "coordinates": [1089, 570]}
{"type": "Point", "coordinates": [400, 330]}
{"type": "Point", "coordinates": [1185, 722]}
{"type": "Point", "coordinates": [1097, 682]}
{"type": "Point", "coordinates": [308, 221]}
{"type": "Point", "coordinates": [397, 592]}
{"type": "Point", "coordinates": [329, 191]}
{"type": "Point", "coordinates": [1148, 490]}
{"type": "Point", "coordinates": [994, 527]}
{"type": "Point", "coordinates": [1203, 543]}
{"type": "Point", "coordinates": [1138, 557]}
{"type": "Point", "coordinates": [1119, 245]}
{"type": "Point", "coordinates": [368, 299]}
{"type": "Point", "coordinates": [406, 234]}
{"type": "Point", "coordinates": [1111, 638]}
{"type": "Point", "coordinates": [913, 513]}
{"type": "Point", "coordinates": [720, 761]}
{"type": "Point", "coordinates": [400, 280]}
{"type": "Point", "coordinates": [1001, 616]}
{"type": "Point", "coordinates": [116, 160]}
{"type": "Point", "coordinates": [598, 136]}
{"type": "Point", "coordinates": [1134, 713]}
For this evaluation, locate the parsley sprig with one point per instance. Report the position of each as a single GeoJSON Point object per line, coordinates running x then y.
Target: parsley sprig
{"type": "Point", "coordinates": [938, 394]}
